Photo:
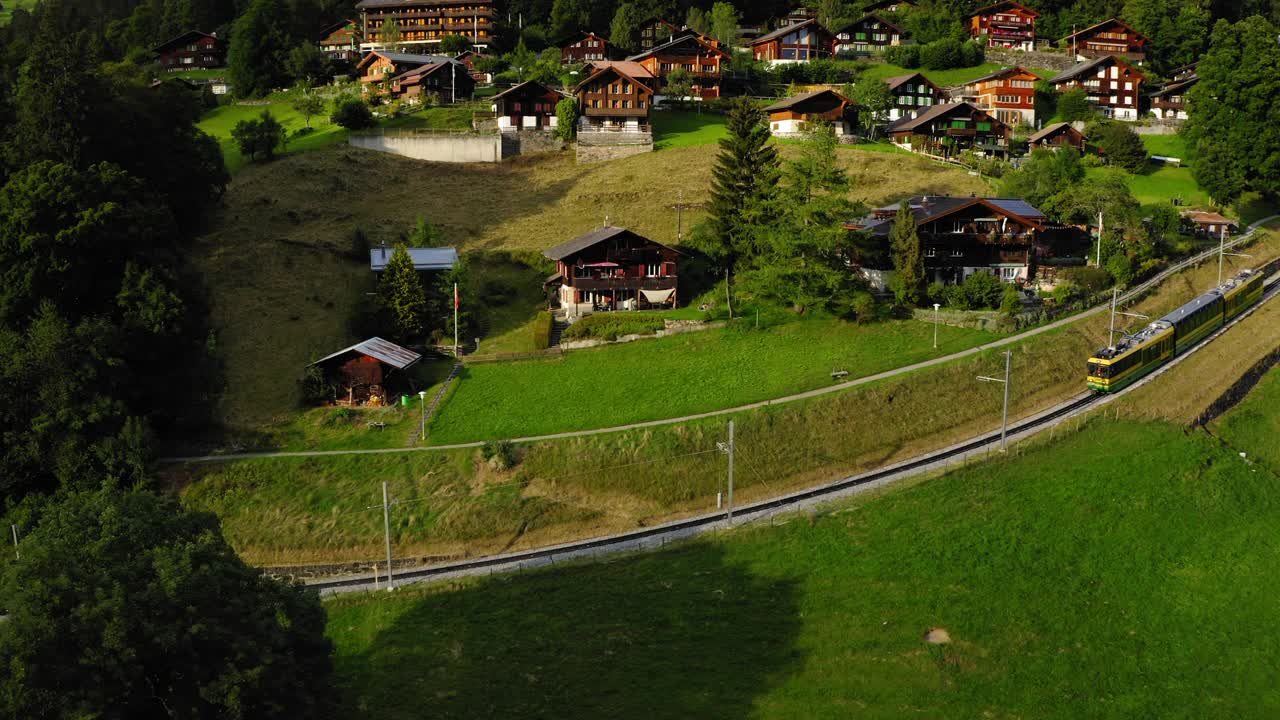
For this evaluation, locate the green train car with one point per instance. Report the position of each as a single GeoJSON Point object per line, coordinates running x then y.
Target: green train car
{"type": "Point", "coordinates": [1115, 368]}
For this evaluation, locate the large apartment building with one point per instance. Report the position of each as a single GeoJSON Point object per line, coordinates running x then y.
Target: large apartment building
{"type": "Point", "coordinates": [421, 24]}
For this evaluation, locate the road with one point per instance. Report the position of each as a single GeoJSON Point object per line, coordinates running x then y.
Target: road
{"type": "Point", "coordinates": [960, 454]}
{"type": "Point", "coordinates": [838, 387]}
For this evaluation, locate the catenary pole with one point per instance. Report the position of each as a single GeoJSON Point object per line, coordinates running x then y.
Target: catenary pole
{"type": "Point", "coordinates": [730, 471]}
{"type": "Point", "coordinates": [1004, 419]}
{"type": "Point", "coordinates": [386, 529]}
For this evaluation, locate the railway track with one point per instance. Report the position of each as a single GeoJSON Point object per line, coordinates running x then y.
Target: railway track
{"type": "Point", "coordinates": [660, 535]}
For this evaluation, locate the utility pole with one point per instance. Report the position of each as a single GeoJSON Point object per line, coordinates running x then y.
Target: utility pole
{"type": "Point", "coordinates": [1099, 260]}
{"type": "Point", "coordinates": [731, 471]}
{"type": "Point", "coordinates": [453, 85]}
{"type": "Point", "coordinates": [1004, 417]}
{"type": "Point", "coordinates": [457, 300]}
{"type": "Point", "coordinates": [1222, 253]}
{"type": "Point", "coordinates": [386, 528]}
{"type": "Point", "coordinates": [1111, 338]}
{"type": "Point", "coordinates": [680, 217]}
{"type": "Point", "coordinates": [16, 554]}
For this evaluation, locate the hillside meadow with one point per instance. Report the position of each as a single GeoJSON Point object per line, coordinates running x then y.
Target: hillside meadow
{"type": "Point", "coordinates": [1122, 570]}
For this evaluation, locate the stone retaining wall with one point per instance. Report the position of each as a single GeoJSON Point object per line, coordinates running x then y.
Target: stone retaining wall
{"type": "Point", "coordinates": [434, 148]}
{"type": "Point", "coordinates": [673, 327]}
{"type": "Point", "coordinates": [1048, 61]}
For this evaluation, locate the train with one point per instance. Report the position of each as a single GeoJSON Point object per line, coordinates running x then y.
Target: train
{"type": "Point", "coordinates": [1112, 369]}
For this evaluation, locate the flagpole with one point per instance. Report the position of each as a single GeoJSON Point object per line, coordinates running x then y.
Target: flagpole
{"type": "Point", "coordinates": [455, 320]}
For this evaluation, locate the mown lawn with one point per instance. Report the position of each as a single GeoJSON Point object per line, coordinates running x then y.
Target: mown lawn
{"type": "Point", "coordinates": [944, 78]}
{"type": "Point", "coordinates": [1166, 145]}
{"type": "Point", "coordinates": [1126, 570]}
{"type": "Point", "coordinates": [1162, 182]}
{"type": "Point", "coordinates": [1253, 427]}
{"type": "Point", "coordinates": [672, 129]}
{"type": "Point", "coordinates": [684, 374]}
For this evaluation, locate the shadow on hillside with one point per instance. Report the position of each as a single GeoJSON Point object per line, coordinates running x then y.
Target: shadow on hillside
{"type": "Point", "coordinates": [679, 634]}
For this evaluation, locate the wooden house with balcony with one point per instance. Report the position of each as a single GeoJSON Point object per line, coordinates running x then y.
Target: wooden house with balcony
{"type": "Point", "coordinates": [950, 129]}
{"type": "Point", "coordinates": [655, 31]}
{"type": "Point", "coordinates": [612, 268]}
{"type": "Point", "coordinates": [449, 81]}
{"type": "Point", "coordinates": [1110, 37]}
{"type": "Point", "coordinates": [912, 94]}
{"type": "Point", "coordinates": [961, 236]}
{"type": "Point", "coordinates": [871, 33]}
{"type": "Point", "coordinates": [527, 106]}
{"type": "Point", "coordinates": [379, 66]}
{"type": "Point", "coordinates": [192, 50]}
{"type": "Point", "coordinates": [1112, 84]}
{"type": "Point", "coordinates": [1169, 101]}
{"type": "Point", "coordinates": [698, 55]}
{"type": "Point", "coordinates": [1010, 25]}
{"type": "Point", "coordinates": [794, 116]}
{"type": "Point", "coordinates": [614, 98]}
{"type": "Point", "coordinates": [1009, 94]}
{"type": "Point", "coordinates": [423, 24]}
{"type": "Point", "coordinates": [587, 47]}
{"type": "Point", "coordinates": [1057, 135]}
{"type": "Point", "coordinates": [799, 43]}
{"type": "Point", "coordinates": [340, 42]}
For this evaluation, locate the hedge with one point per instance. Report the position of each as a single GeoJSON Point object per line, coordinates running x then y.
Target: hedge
{"type": "Point", "coordinates": [542, 326]}
{"type": "Point", "coordinates": [611, 326]}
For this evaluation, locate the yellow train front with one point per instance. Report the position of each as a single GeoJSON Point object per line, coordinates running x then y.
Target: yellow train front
{"type": "Point", "coordinates": [1115, 368]}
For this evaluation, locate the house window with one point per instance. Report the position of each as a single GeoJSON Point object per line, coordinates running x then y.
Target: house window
{"type": "Point", "coordinates": [708, 68]}
{"type": "Point", "coordinates": [958, 124]}
{"type": "Point", "coordinates": [931, 251]}
{"type": "Point", "coordinates": [515, 107]}
{"type": "Point", "coordinates": [957, 252]}
{"type": "Point", "coordinates": [1008, 274]}
{"type": "Point", "coordinates": [653, 270]}
{"type": "Point", "coordinates": [985, 126]}
{"type": "Point", "coordinates": [581, 273]}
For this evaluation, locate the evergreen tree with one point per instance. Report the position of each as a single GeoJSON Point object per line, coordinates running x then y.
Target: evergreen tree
{"type": "Point", "coordinates": [724, 21]}
{"type": "Point", "coordinates": [908, 258]}
{"type": "Point", "coordinates": [1120, 145]}
{"type": "Point", "coordinates": [1232, 128]}
{"type": "Point", "coordinates": [152, 615]}
{"type": "Point", "coordinates": [624, 31]}
{"type": "Point", "coordinates": [54, 99]}
{"type": "Point", "coordinates": [259, 51]}
{"type": "Point", "coordinates": [569, 17]}
{"type": "Point", "coordinates": [567, 119]}
{"type": "Point", "coordinates": [403, 297]}
{"type": "Point", "coordinates": [742, 186]}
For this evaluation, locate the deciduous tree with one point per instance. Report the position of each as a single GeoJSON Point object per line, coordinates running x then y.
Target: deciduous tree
{"type": "Point", "coordinates": [624, 31]}
{"type": "Point", "coordinates": [1120, 145]}
{"type": "Point", "coordinates": [873, 100]}
{"type": "Point", "coordinates": [259, 137]}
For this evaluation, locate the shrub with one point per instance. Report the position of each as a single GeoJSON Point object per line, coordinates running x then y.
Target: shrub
{"type": "Point", "coordinates": [316, 387]}
{"type": "Point", "coordinates": [1088, 279]}
{"type": "Point", "coordinates": [907, 56]}
{"type": "Point", "coordinates": [611, 326]}
{"type": "Point", "coordinates": [262, 136]}
{"type": "Point", "coordinates": [937, 293]}
{"type": "Point", "coordinates": [1074, 105]}
{"type": "Point", "coordinates": [983, 290]}
{"type": "Point", "coordinates": [1011, 301]}
{"type": "Point", "coordinates": [352, 114]}
{"type": "Point", "coordinates": [864, 307]}
{"type": "Point", "coordinates": [1121, 268]}
{"type": "Point", "coordinates": [1066, 293]}
{"type": "Point", "coordinates": [500, 454]}
{"type": "Point", "coordinates": [542, 327]}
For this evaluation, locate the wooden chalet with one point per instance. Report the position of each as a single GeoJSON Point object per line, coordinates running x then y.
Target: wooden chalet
{"type": "Point", "coordinates": [1210, 224]}
{"type": "Point", "coordinates": [794, 116]}
{"type": "Point", "coordinates": [586, 47]}
{"type": "Point", "coordinates": [612, 268]}
{"type": "Point", "coordinates": [1009, 94]}
{"type": "Point", "coordinates": [965, 235]}
{"type": "Point", "coordinates": [1169, 101]}
{"type": "Point", "coordinates": [871, 33]}
{"type": "Point", "coordinates": [1113, 85]}
{"type": "Point", "coordinates": [1110, 37]}
{"type": "Point", "coordinates": [1010, 25]}
{"type": "Point", "coordinates": [655, 31]}
{"type": "Point", "coordinates": [360, 374]}
{"type": "Point", "coordinates": [527, 106]}
{"type": "Point", "coordinates": [1056, 136]}
{"type": "Point", "coordinates": [950, 128]}
{"type": "Point", "coordinates": [912, 94]}
{"type": "Point", "coordinates": [888, 6]}
{"type": "Point", "coordinates": [468, 58]}
{"type": "Point", "coordinates": [614, 98]}
{"type": "Point", "coordinates": [422, 24]}
{"type": "Point", "coordinates": [698, 55]}
{"type": "Point", "coordinates": [379, 65]}
{"type": "Point", "coordinates": [448, 80]}
{"type": "Point", "coordinates": [340, 42]}
{"type": "Point", "coordinates": [192, 50]}
{"type": "Point", "coordinates": [798, 43]}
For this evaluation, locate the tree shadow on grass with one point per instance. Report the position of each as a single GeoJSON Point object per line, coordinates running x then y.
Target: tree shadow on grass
{"type": "Point", "coordinates": [678, 634]}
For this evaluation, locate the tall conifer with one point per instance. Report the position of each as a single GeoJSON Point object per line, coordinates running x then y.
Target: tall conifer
{"type": "Point", "coordinates": [908, 258]}
{"type": "Point", "coordinates": [743, 183]}
{"type": "Point", "coordinates": [403, 296]}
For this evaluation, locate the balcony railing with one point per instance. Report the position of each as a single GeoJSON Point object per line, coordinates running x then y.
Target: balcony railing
{"type": "Point", "coordinates": [624, 283]}
{"type": "Point", "coordinates": [616, 112]}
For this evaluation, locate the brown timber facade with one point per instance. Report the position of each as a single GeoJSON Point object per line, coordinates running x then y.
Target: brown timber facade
{"type": "Point", "coordinates": [613, 269]}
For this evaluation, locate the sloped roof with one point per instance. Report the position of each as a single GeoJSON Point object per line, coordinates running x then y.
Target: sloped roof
{"type": "Point", "coordinates": [183, 38]}
{"type": "Point", "coordinates": [882, 4]}
{"type": "Point", "coordinates": [678, 39]}
{"type": "Point", "coordinates": [1175, 86]}
{"type": "Point", "coordinates": [898, 81]}
{"type": "Point", "coordinates": [582, 242]}
{"type": "Point", "coordinates": [524, 85]}
{"type": "Point", "coordinates": [870, 16]}
{"type": "Point", "coordinates": [443, 258]}
{"type": "Point", "coordinates": [1050, 130]}
{"type": "Point", "coordinates": [381, 350]}
{"type": "Point", "coordinates": [1001, 73]}
{"type": "Point", "coordinates": [928, 208]}
{"type": "Point", "coordinates": [613, 67]}
{"type": "Point", "coordinates": [405, 58]}
{"type": "Point", "coordinates": [424, 70]}
{"type": "Point", "coordinates": [787, 30]}
{"type": "Point", "coordinates": [1084, 68]}
{"type": "Point", "coordinates": [332, 28]}
{"type": "Point", "coordinates": [999, 5]}
{"type": "Point", "coordinates": [628, 67]}
{"type": "Point", "coordinates": [1201, 216]}
{"type": "Point", "coordinates": [1112, 21]}
{"type": "Point", "coordinates": [794, 100]}
{"type": "Point", "coordinates": [935, 111]}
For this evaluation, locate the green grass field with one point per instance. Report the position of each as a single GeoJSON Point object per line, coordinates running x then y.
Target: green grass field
{"type": "Point", "coordinates": [1123, 571]}
{"type": "Point", "coordinates": [1253, 426]}
{"type": "Point", "coordinates": [1162, 182]}
{"type": "Point", "coordinates": [944, 78]}
{"type": "Point", "coordinates": [672, 129]}
{"type": "Point", "coordinates": [1166, 145]}
{"type": "Point", "coordinates": [679, 375]}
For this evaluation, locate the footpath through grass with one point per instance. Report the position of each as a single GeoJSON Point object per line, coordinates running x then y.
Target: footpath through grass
{"type": "Point", "coordinates": [1126, 570]}
{"type": "Point", "coordinates": [679, 375]}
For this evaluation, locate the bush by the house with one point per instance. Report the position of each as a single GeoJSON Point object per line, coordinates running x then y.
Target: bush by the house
{"type": "Point", "coordinates": [979, 291]}
{"type": "Point", "coordinates": [542, 326]}
{"type": "Point", "coordinates": [940, 55]}
{"type": "Point", "coordinates": [1089, 279]}
{"type": "Point", "coordinates": [352, 114]}
{"type": "Point", "coordinates": [611, 326]}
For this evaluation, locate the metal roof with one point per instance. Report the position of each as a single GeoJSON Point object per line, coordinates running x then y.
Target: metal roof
{"type": "Point", "coordinates": [381, 350]}
{"type": "Point", "coordinates": [1049, 130]}
{"type": "Point", "coordinates": [794, 100]}
{"type": "Point", "coordinates": [582, 242]}
{"type": "Point", "coordinates": [442, 258]}
{"type": "Point", "coordinates": [786, 30]}
{"type": "Point", "coordinates": [1181, 313]}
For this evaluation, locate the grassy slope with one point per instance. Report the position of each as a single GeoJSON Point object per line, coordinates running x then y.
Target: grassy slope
{"type": "Point", "coordinates": [1165, 145]}
{"type": "Point", "coordinates": [679, 375]}
{"type": "Point", "coordinates": [274, 257]}
{"type": "Point", "coordinates": [1124, 571]}
{"type": "Point", "coordinates": [944, 78]}
{"type": "Point", "coordinates": [1253, 427]}
{"type": "Point", "coordinates": [1160, 183]}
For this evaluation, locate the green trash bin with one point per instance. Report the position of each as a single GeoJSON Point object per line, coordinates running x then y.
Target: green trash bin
{"type": "Point", "coordinates": [404, 401]}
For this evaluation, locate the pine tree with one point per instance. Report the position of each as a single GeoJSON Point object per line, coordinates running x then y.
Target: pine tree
{"type": "Point", "coordinates": [743, 181]}
{"type": "Point", "coordinates": [624, 31]}
{"type": "Point", "coordinates": [403, 297]}
{"type": "Point", "coordinates": [908, 258]}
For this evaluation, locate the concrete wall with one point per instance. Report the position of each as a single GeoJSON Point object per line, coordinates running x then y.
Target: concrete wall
{"type": "Point", "coordinates": [603, 146]}
{"type": "Point", "coordinates": [530, 141]}
{"type": "Point", "coordinates": [435, 148]}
